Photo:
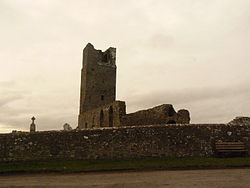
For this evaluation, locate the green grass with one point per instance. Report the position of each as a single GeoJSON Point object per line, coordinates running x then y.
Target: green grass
{"type": "Point", "coordinates": [132, 164]}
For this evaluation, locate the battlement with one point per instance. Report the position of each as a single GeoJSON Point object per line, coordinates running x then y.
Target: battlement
{"type": "Point", "coordinates": [94, 56]}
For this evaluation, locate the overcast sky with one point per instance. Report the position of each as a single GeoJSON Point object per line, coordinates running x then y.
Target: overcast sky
{"type": "Point", "coordinates": [193, 54]}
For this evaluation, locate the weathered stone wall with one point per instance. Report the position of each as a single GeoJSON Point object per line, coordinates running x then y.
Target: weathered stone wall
{"type": "Point", "coordinates": [240, 121]}
{"type": "Point", "coordinates": [121, 143]}
{"type": "Point", "coordinates": [114, 115]}
{"type": "Point", "coordinates": [162, 114]}
{"type": "Point", "coordinates": [104, 116]}
{"type": "Point", "coordinates": [98, 78]}
{"type": "Point", "coordinates": [98, 94]}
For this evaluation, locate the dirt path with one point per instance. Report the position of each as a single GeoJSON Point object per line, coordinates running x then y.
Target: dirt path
{"type": "Point", "coordinates": [228, 178]}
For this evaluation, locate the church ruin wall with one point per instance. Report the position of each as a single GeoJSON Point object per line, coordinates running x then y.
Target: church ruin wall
{"type": "Point", "coordinates": [158, 115]}
{"type": "Point", "coordinates": [108, 115]}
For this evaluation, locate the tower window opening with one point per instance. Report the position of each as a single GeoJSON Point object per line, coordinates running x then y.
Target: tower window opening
{"type": "Point", "coordinates": [105, 58]}
{"type": "Point", "coordinates": [102, 97]}
{"type": "Point", "coordinates": [111, 116]}
{"type": "Point", "coordinates": [101, 118]}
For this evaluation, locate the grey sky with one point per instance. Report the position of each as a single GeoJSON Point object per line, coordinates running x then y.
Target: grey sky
{"type": "Point", "coordinates": [191, 53]}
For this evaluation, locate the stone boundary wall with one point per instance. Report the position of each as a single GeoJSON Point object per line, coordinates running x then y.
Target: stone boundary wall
{"type": "Point", "coordinates": [188, 140]}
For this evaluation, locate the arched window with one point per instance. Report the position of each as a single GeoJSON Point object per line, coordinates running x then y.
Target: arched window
{"type": "Point", "coordinates": [171, 122]}
{"type": "Point", "coordinates": [93, 121]}
{"type": "Point", "coordinates": [101, 118]}
{"type": "Point", "coordinates": [111, 116]}
{"type": "Point", "coordinates": [105, 58]}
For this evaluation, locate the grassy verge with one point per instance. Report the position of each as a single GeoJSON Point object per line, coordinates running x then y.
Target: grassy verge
{"type": "Point", "coordinates": [111, 165]}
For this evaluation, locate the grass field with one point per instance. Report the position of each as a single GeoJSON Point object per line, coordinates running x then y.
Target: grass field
{"type": "Point", "coordinates": [111, 165]}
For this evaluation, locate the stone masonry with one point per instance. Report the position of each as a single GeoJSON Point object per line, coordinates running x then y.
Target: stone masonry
{"type": "Point", "coordinates": [163, 114]}
{"type": "Point", "coordinates": [98, 105]}
{"type": "Point", "coordinates": [169, 140]}
{"type": "Point", "coordinates": [240, 120]}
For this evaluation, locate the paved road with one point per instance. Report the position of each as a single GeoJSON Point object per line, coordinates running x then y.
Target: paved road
{"type": "Point", "coordinates": [229, 178]}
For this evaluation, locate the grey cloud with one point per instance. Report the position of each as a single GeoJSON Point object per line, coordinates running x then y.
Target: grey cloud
{"type": "Point", "coordinates": [7, 97]}
{"type": "Point", "coordinates": [188, 95]}
{"type": "Point", "coordinates": [7, 84]}
{"type": "Point", "coordinates": [45, 122]}
{"type": "Point", "coordinates": [51, 110]}
{"type": "Point", "coordinates": [207, 105]}
{"type": "Point", "coordinates": [9, 93]}
{"type": "Point", "coordinates": [4, 100]}
{"type": "Point", "coordinates": [161, 41]}
{"type": "Point", "coordinates": [19, 119]}
{"type": "Point", "coordinates": [164, 50]}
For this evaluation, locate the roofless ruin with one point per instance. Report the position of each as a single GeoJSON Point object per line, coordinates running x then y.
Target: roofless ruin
{"type": "Point", "coordinates": [98, 104]}
{"type": "Point", "coordinates": [131, 136]}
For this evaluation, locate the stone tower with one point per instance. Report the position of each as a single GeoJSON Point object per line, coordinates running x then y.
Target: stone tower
{"type": "Point", "coordinates": [98, 104]}
{"type": "Point", "coordinates": [98, 78]}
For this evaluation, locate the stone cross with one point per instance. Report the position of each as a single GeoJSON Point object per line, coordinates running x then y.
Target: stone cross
{"type": "Point", "coordinates": [33, 119]}
{"type": "Point", "coordinates": [33, 125]}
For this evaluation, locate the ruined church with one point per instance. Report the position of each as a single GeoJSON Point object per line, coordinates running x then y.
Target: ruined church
{"type": "Point", "coordinates": [143, 134]}
{"type": "Point", "coordinates": [98, 104]}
